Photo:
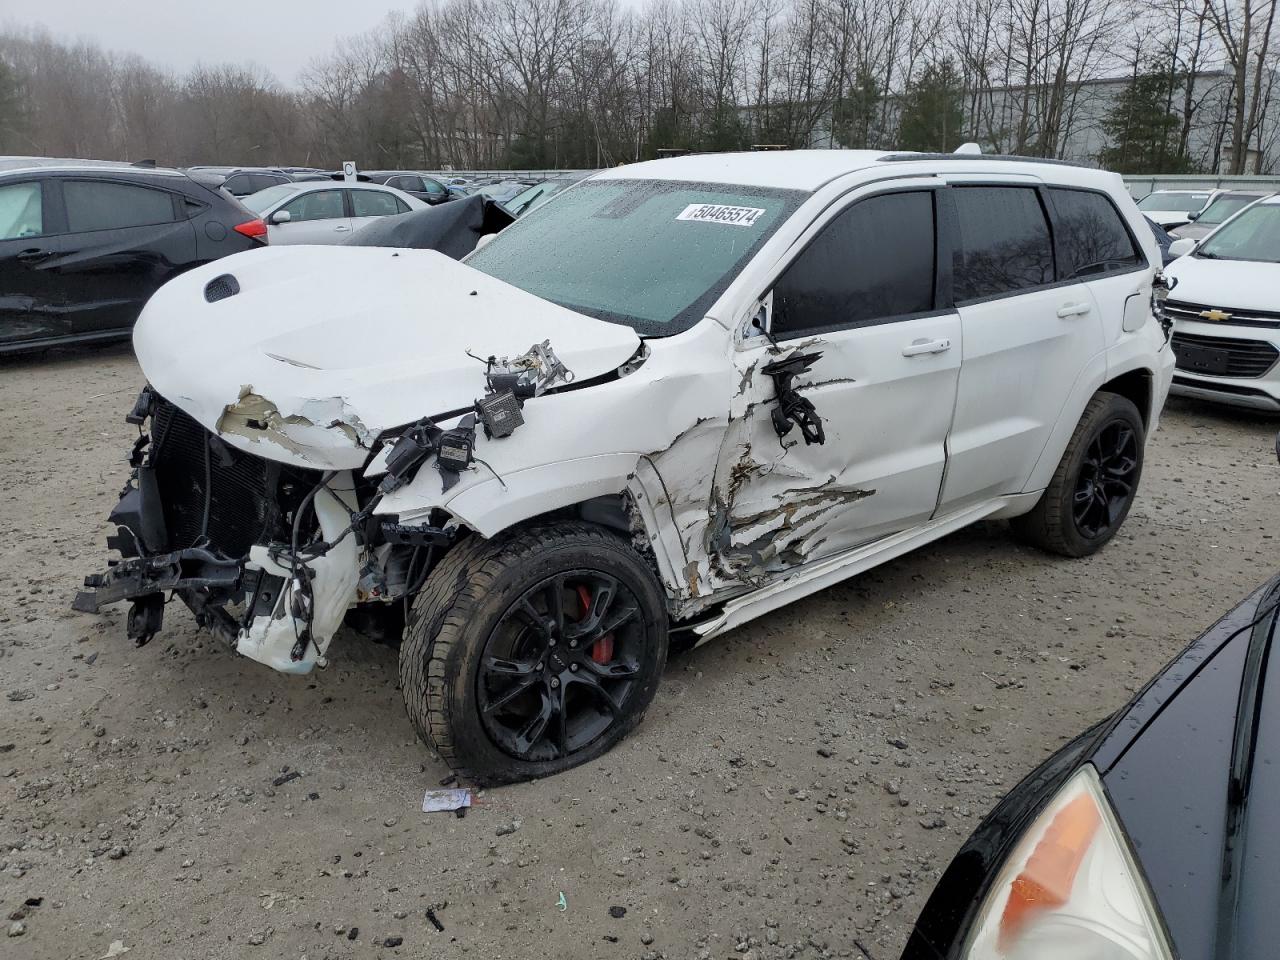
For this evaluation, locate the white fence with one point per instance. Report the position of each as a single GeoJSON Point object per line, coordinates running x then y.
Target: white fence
{"type": "Point", "coordinates": [1139, 187]}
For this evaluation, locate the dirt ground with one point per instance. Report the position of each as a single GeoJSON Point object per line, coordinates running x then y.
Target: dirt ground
{"type": "Point", "coordinates": [795, 790]}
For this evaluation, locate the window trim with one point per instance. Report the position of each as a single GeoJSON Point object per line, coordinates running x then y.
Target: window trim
{"type": "Point", "coordinates": [1142, 264]}
{"type": "Point", "coordinates": [941, 267]}
{"type": "Point", "coordinates": [177, 215]}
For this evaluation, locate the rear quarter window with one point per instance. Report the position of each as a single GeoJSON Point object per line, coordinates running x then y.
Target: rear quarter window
{"type": "Point", "coordinates": [1092, 237]}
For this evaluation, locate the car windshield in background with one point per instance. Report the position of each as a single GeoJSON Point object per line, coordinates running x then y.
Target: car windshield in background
{"type": "Point", "coordinates": [259, 202]}
{"type": "Point", "coordinates": [1254, 235]}
{"type": "Point", "coordinates": [649, 254]}
{"type": "Point", "coordinates": [1174, 202]}
{"type": "Point", "coordinates": [1223, 208]}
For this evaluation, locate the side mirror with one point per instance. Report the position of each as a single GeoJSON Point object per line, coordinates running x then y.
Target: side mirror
{"type": "Point", "coordinates": [1180, 248]}
{"type": "Point", "coordinates": [485, 240]}
{"type": "Point", "coordinates": [281, 216]}
{"type": "Point", "coordinates": [1194, 216]}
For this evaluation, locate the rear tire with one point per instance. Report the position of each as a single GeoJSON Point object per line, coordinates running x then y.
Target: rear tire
{"type": "Point", "coordinates": [1093, 487]}
{"type": "Point", "coordinates": [533, 652]}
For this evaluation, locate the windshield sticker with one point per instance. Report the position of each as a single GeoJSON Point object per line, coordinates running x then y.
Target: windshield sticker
{"type": "Point", "coordinates": [717, 213]}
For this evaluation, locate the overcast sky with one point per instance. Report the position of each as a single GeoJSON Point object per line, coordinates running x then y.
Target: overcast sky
{"type": "Point", "coordinates": [281, 35]}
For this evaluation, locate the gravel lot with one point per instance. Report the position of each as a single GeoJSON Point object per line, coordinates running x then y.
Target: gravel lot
{"type": "Point", "coordinates": [794, 792]}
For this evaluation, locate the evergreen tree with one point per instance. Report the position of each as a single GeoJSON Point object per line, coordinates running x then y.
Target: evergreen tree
{"type": "Point", "coordinates": [1141, 132]}
{"type": "Point", "coordinates": [933, 110]}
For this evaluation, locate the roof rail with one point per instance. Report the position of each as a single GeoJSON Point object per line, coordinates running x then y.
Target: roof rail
{"type": "Point", "coordinates": [904, 157]}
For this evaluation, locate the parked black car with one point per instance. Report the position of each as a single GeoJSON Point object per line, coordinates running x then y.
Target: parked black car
{"type": "Point", "coordinates": [242, 181]}
{"type": "Point", "coordinates": [1154, 835]}
{"type": "Point", "coordinates": [84, 244]}
{"type": "Point", "coordinates": [427, 189]}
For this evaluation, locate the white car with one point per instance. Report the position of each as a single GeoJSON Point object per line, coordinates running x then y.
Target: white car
{"type": "Point", "coordinates": [325, 212]}
{"type": "Point", "coordinates": [686, 393]}
{"type": "Point", "coordinates": [1172, 208]}
{"type": "Point", "coordinates": [1225, 304]}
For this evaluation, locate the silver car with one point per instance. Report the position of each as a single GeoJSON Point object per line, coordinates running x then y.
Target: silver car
{"type": "Point", "coordinates": [325, 212]}
{"type": "Point", "coordinates": [1223, 208]}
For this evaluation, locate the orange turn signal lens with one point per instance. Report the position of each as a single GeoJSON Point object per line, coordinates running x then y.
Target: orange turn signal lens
{"type": "Point", "coordinates": [1045, 882]}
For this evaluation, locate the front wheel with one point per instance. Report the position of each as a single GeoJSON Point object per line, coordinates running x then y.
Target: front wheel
{"type": "Point", "coordinates": [1093, 488]}
{"type": "Point", "coordinates": [533, 652]}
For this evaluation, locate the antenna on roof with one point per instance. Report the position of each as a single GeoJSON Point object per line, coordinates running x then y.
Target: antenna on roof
{"type": "Point", "coordinates": [148, 163]}
{"type": "Point", "coordinates": [968, 148]}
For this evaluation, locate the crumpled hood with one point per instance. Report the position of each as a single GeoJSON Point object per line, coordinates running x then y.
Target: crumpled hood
{"type": "Point", "coordinates": [1245, 285]}
{"type": "Point", "coordinates": [325, 347]}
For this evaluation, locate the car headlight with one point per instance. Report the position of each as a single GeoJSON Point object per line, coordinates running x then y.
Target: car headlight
{"type": "Point", "coordinates": [1070, 889]}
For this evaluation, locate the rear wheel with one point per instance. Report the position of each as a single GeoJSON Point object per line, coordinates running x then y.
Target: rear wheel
{"type": "Point", "coordinates": [534, 652]}
{"type": "Point", "coordinates": [1093, 487]}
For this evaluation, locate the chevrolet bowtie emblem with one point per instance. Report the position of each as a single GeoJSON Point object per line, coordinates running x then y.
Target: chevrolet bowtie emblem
{"type": "Point", "coordinates": [1215, 315]}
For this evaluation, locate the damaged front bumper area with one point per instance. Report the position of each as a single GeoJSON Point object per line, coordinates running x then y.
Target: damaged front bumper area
{"type": "Point", "coordinates": [219, 528]}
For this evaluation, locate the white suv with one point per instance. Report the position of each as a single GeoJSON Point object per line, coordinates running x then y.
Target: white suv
{"type": "Point", "coordinates": [678, 396]}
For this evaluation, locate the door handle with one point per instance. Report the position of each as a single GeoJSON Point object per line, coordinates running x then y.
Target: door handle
{"type": "Point", "coordinates": [1073, 309]}
{"type": "Point", "coordinates": [341, 227]}
{"type": "Point", "coordinates": [34, 256]}
{"type": "Point", "coordinates": [918, 347]}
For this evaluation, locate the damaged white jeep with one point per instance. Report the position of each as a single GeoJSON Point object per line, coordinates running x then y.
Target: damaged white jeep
{"type": "Point", "coordinates": [679, 396]}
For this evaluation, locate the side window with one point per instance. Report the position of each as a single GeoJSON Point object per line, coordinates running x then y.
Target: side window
{"type": "Point", "coordinates": [238, 185]}
{"type": "Point", "coordinates": [405, 183]}
{"type": "Point", "coordinates": [873, 261]}
{"type": "Point", "coordinates": [321, 205]}
{"type": "Point", "coordinates": [1092, 238]}
{"type": "Point", "coordinates": [374, 203]}
{"type": "Point", "coordinates": [433, 187]}
{"type": "Point", "coordinates": [1004, 245]}
{"type": "Point", "coordinates": [21, 211]}
{"type": "Point", "coordinates": [100, 205]}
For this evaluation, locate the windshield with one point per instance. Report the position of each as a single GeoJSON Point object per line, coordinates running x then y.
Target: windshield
{"type": "Point", "coordinates": [1173, 201]}
{"type": "Point", "coordinates": [260, 201]}
{"type": "Point", "coordinates": [649, 254]}
{"type": "Point", "coordinates": [1225, 206]}
{"type": "Point", "coordinates": [1254, 235]}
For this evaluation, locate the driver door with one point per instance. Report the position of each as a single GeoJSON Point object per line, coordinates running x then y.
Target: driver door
{"type": "Point", "coordinates": [865, 310]}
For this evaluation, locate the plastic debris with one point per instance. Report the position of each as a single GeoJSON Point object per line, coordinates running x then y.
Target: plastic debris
{"type": "Point", "coordinates": [116, 949]}
{"type": "Point", "coordinates": [435, 921]}
{"type": "Point", "coordinates": [562, 903]}
{"type": "Point", "coordinates": [435, 801]}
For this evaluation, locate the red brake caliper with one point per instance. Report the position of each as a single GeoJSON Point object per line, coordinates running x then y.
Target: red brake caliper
{"type": "Point", "coordinates": [602, 649]}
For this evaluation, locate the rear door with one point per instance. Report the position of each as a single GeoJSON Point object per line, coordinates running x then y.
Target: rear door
{"type": "Point", "coordinates": [29, 292]}
{"type": "Point", "coordinates": [318, 216]}
{"type": "Point", "coordinates": [1027, 337]}
{"type": "Point", "coordinates": [369, 205]}
{"type": "Point", "coordinates": [122, 241]}
{"type": "Point", "coordinates": [433, 191]}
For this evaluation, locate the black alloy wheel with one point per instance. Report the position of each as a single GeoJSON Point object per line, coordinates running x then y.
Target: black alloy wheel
{"type": "Point", "coordinates": [1107, 479]}
{"type": "Point", "coordinates": [559, 668]}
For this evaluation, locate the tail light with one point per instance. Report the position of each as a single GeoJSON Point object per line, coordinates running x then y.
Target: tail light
{"type": "Point", "coordinates": [254, 229]}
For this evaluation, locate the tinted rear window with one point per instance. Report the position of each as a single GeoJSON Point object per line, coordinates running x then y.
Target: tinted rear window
{"type": "Point", "coordinates": [97, 205]}
{"type": "Point", "coordinates": [1093, 239]}
{"type": "Point", "coordinates": [1005, 243]}
{"type": "Point", "coordinates": [873, 261]}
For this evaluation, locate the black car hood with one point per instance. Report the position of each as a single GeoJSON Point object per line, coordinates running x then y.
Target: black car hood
{"type": "Point", "coordinates": [453, 228]}
{"type": "Point", "coordinates": [1167, 765]}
